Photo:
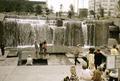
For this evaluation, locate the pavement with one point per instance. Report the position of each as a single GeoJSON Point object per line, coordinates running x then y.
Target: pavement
{"type": "Point", "coordinates": [35, 73]}
{"type": "Point", "coordinates": [57, 69]}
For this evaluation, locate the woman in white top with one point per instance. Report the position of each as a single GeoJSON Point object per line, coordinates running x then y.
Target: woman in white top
{"type": "Point", "coordinates": [90, 57]}
{"type": "Point", "coordinates": [114, 50]}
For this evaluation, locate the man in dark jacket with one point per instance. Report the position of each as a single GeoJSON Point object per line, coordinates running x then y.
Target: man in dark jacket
{"type": "Point", "coordinates": [98, 58]}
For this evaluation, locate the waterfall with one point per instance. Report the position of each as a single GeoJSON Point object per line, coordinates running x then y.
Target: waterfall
{"type": "Point", "coordinates": [95, 32]}
{"type": "Point", "coordinates": [91, 35]}
{"type": "Point", "coordinates": [29, 30]}
{"type": "Point", "coordinates": [26, 31]}
{"type": "Point", "coordinates": [85, 35]}
{"type": "Point", "coordinates": [88, 30]}
{"type": "Point", "coordinates": [73, 33]}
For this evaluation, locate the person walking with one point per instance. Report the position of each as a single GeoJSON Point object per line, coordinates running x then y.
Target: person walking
{"type": "Point", "coordinates": [76, 59]}
{"type": "Point", "coordinates": [76, 54]}
{"type": "Point", "coordinates": [44, 48]}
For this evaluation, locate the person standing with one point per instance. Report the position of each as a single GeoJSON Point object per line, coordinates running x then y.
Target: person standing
{"type": "Point", "coordinates": [36, 49]}
{"type": "Point", "coordinates": [41, 50]}
{"type": "Point", "coordinates": [19, 53]}
{"type": "Point", "coordinates": [44, 48]}
{"type": "Point", "coordinates": [98, 58]}
{"type": "Point", "coordinates": [2, 49]}
{"type": "Point", "coordinates": [114, 50]}
{"type": "Point", "coordinates": [40, 46]}
{"type": "Point", "coordinates": [90, 58]}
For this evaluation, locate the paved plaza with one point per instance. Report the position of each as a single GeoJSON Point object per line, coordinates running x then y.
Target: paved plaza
{"type": "Point", "coordinates": [9, 71]}
{"type": "Point", "coordinates": [58, 67]}
{"type": "Point", "coordinates": [35, 73]}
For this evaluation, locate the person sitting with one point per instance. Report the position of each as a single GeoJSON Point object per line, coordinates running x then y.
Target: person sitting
{"type": "Point", "coordinates": [113, 76]}
{"type": "Point", "coordinates": [86, 74]}
{"type": "Point", "coordinates": [73, 76]}
{"type": "Point", "coordinates": [29, 60]}
{"type": "Point", "coordinates": [97, 74]}
{"type": "Point", "coordinates": [66, 78]}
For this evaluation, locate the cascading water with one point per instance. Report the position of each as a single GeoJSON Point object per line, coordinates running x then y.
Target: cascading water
{"type": "Point", "coordinates": [26, 31]}
{"type": "Point", "coordinates": [43, 33]}
{"type": "Point", "coordinates": [85, 34]}
{"type": "Point", "coordinates": [73, 33]}
{"type": "Point", "coordinates": [30, 30]}
{"type": "Point", "coordinates": [91, 34]}
{"type": "Point", "coordinates": [95, 33]}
